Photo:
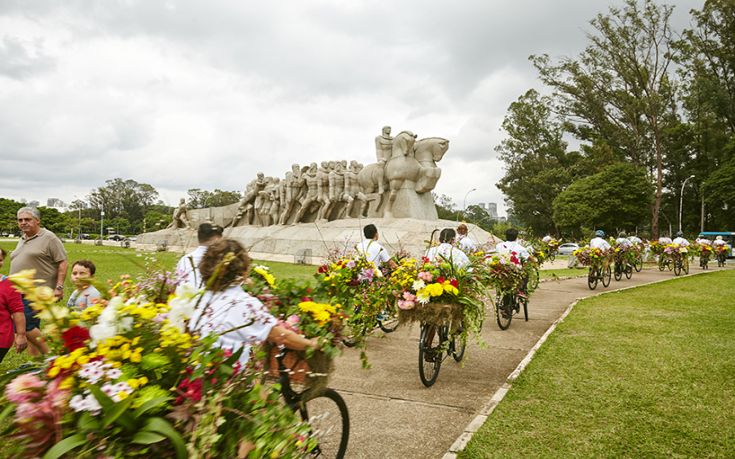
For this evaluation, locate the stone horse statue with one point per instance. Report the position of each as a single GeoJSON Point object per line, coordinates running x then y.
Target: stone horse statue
{"type": "Point", "coordinates": [412, 166]}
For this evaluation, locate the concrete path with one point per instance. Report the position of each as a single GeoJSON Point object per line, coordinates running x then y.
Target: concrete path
{"type": "Point", "coordinates": [393, 415]}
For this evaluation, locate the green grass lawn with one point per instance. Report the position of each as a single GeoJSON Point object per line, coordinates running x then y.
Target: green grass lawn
{"type": "Point", "coordinates": [111, 262]}
{"type": "Point", "coordinates": [643, 373]}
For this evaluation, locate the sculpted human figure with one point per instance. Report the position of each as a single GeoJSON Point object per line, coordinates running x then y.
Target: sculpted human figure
{"type": "Point", "coordinates": [247, 203]}
{"type": "Point", "coordinates": [311, 194]}
{"type": "Point", "coordinates": [383, 150]}
{"type": "Point", "coordinates": [181, 216]}
{"type": "Point", "coordinates": [336, 186]}
{"type": "Point", "coordinates": [275, 193]}
{"type": "Point", "coordinates": [293, 187]}
{"type": "Point", "coordinates": [353, 191]}
{"type": "Point", "coordinates": [322, 177]}
{"type": "Point", "coordinates": [263, 202]}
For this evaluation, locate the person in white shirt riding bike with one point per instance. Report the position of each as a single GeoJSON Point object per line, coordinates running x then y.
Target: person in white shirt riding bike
{"type": "Point", "coordinates": [371, 248]}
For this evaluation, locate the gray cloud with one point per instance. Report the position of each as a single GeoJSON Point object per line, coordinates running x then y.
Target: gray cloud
{"type": "Point", "coordinates": [185, 94]}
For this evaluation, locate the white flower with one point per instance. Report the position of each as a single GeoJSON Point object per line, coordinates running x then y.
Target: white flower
{"type": "Point", "coordinates": [125, 324]}
{"type": "Point", "coordinates": [418, 285]}
{"type": "Point", "coordinates": [114, 373]}
{"type": "Point", "coordinates": [77, 403]}
{"type": "Point", "coordinates": [110, 313]}
{"type": "Point", "coordinates": [185, 290]}
{"type": "Point", "coordinates": [85, 403]}
{"type": "Point", "coordinates": [102, 331]}
{"type": "Point", "coordinates": [423, 297]}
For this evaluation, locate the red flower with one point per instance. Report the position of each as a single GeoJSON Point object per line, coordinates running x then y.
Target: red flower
{"type": "Point", "coordinates": [305, 298]}
{"type": "Point", "coordinates": [440, 280]}
{"type": "Point", "coordinates": [75, 337]}
{"type": "Point", "coordinates": [425, 259]}
{"type": "Point", "coordinates": [454, 282]}
{"type": "Point", "coordinates": [308, 289]}
{"type": "Point", "coordinates": [190, 389]}
{"type": "Point", "coordinates": [322, 269]}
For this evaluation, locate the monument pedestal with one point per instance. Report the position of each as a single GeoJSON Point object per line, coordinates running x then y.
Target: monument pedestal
{"type": "Point", "coordinates": [311, 243]}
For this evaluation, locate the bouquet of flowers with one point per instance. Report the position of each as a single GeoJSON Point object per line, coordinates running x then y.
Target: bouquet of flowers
{"type": "Point", "coordinates": [361, 288]}
{"type": "Point", "coordinates": [438, 293]}
{"type": "Point", "coordinates": [656, 247]}
{"type": "Point", "coordinates": [675, 250]}
{"type": "Point", "coordinates": [722, 248]}
{"type": "Point", "coordinates": [129, 380]}
{"type": "Point", "coordinates": [506, 273]}
{"type": "Point", "coordinates": [588, 256]}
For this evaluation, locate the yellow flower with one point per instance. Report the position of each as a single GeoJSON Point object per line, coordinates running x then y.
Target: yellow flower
{"type": "Point", "coordinates": [122, 395]}
{"type": "Point", "coordinates": [24, 280]}
{"type": "Point", "coordinates": [435, 289]}
{"type": "Point", "coordinates": [67, 383]}
{"type": "Point", "coordinates": [54, 372]}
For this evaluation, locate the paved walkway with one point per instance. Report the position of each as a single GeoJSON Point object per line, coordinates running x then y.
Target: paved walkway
{"type": "Point", "coordinates": [393, 415]}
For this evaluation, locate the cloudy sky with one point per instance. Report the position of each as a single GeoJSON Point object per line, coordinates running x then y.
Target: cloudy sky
{"type": "Point", "coordinates": [185, 94]}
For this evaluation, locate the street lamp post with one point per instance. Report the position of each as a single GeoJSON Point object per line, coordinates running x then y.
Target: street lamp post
{"type": "Point", "coordinates": [681, 198]}
{"type": "Point", "coordinates": [102, 223]}
{"type": "Point", "coordinates": [464, 203]}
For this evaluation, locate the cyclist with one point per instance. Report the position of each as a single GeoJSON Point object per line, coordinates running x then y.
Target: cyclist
{"type": "Point", "coordinates": [372, 249]}
{"type": "Point", "coordinates": [680, 239]}
{"type": "Point", "coordinates": [512, 246]}
{"type": "Point", "coordinates": [465, 242]}
{"type": "Point", "coordinates": [225, 308]}
{"type": "Point", "coordinates": [718, 242]}
{"type": "Point", "coordinates": [623, 240]}
{"type": "Point", "coordinates": [599, 242]}
{"type": "Point", "coordinates": [447, 250]}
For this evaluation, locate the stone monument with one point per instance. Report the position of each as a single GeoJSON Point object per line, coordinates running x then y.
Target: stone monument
{"type": "Point", "coordinates": [321, 208]}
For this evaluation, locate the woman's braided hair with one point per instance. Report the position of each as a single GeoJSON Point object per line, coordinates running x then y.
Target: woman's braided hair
{"type": "Point", "coordinates": [225, 263]}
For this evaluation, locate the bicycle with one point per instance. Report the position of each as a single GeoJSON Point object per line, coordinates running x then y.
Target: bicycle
{"type": "Point", "coordinates": [325, 412]}
{"type": "Point", "coordinates": [721, 258]}
{"type": "Point", "coordinates": [534, 279]}
{"type": "Point", "coordinates": [599, 273]}
{"type": "Point", "coordinates": [434, 341]}
{"type": "Point", "coordinates": [638, 264]}
{"type": "Point", "coordinates": [681, 263]}
{"type": "Point", "coordinates": [664, 262]}
{"type": "Point", "coordinates": [622, 267]}
{"type": "Point", "coordinates": [507, 305]}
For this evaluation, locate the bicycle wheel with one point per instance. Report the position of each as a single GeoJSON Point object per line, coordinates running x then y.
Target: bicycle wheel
{"type": "Point", "coordinates": [504, 311]}
{"type": "Point", "coordinates": [606, 276]}
{"type": "Point", "coordinates": [638, 264]}
{"type": "Point", "coordinates": [677, 267]}
{"type": "Point", "coordinates": [592, 278]}
{"type": "Point", "coordinates": [458, 351]}
{"type": "Point", "coordinates": [686, 266]}
{"type": "Point", "coordinates": [524, 301]}
{"type": "Point", "coordinates": [430, 354]}
{"type": "Point", "coordinates": [628, 271]}
{"type": "Point", "coordinates": [552, 256]}
{"type": "Point", "coordinates": [533, 280]}
{"type": "Point", "coordinates": [618, 272]}
{"type": "Point", "coordinates": [330, 423]}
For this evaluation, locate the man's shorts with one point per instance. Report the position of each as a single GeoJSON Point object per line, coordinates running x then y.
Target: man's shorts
{"type": "Point", "coordinates": [31, 320]}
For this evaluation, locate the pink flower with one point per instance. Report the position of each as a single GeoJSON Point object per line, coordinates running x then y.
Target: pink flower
{"type": "Point", "coordinates": [408, 296]}
{"type": "Point", "coordinates": [293, 320]}
{"type": "Point", "coordinates": [425, 276]}
{"type": "Point", "coordinates": [406, 304]}
{"type": "Point", "coordinates": [24, 388]}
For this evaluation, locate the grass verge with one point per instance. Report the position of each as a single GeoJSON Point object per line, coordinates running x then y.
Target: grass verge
{"type": "Point", "coordinates": [646, 372]}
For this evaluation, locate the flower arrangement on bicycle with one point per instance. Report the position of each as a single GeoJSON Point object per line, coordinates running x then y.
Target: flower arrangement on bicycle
{"type": "Point", "coordinates": [438, 293]}
{"type": "Point", "coordinates": [128, 379]}
{"type": "Point", "coordinates": [588, 256]}
{"type": "Point", "coordinates": [361, 288]}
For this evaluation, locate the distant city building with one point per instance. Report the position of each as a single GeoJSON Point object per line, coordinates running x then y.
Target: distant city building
{"type": "Point", "coordinates": [492, 209]}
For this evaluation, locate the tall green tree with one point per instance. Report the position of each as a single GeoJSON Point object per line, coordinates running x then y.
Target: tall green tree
{"type": "Point", "coordinates": [614, 199]}
{"type": "Point", "coordinates": [200, 199]}
{"type": "Point", "coordinates": [620, 90]}
{"type": "Point", "coordinates": [537, 165]}
{"type": "Point", "coordinates": [124, 198]}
